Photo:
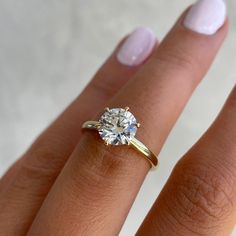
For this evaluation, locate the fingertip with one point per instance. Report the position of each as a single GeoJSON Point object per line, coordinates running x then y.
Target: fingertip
{"type": "Point", "coordinates": [137, 47]}
{"type": "Point", "coordinates": [206, 17]}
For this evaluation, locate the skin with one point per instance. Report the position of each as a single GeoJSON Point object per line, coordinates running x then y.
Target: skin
{"type": "Point", "coordinates": [70, 183]}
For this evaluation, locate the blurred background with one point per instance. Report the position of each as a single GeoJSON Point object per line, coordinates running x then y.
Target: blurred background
{"type": "Point", "coordinates": [50, 49]}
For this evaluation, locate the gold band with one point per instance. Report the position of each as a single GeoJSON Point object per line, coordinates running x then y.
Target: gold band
{"type": "Point", "coordinates": [151, 157]}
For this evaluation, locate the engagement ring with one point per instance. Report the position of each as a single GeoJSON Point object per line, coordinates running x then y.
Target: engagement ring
{"type": "Point", "coordinates": [118, 126]}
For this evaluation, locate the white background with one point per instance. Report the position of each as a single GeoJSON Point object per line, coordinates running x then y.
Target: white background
{"type": "Point", "coordinates": [50, 49]}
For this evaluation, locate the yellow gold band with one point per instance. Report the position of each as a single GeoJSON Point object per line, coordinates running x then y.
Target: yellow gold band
{"type": "Point", "coordinates": [139, 146]}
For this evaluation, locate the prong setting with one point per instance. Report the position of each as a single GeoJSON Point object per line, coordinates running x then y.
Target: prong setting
{"type": "Point", "coordinates": [138, 125]}
{"type": "Point", "coordinates": [107, 109]}
{"type": "Point", "coordinates": [117, 126]}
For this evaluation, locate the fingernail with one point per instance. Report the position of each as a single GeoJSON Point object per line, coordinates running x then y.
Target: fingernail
{"type": "Point", "coordinates": [206, 16]}
{"type": "Point", "coordinates": [137, 47]}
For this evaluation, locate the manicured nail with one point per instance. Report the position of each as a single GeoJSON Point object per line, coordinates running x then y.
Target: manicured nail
{"type": "Point", "coordinates": [137, 47]}
{"type": "Point", "coordinates": [206, 16]}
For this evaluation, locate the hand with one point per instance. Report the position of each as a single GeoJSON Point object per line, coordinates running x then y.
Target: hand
{"type": "Point", "coordinates": [70, 183]}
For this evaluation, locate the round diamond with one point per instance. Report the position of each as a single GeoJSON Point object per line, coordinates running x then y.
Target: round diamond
{"type": "Point", "coordinates": [118, 126]}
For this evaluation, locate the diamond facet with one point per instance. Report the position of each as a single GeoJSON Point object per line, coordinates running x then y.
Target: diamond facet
{"type": "Point", "coordinates": [117, 126]}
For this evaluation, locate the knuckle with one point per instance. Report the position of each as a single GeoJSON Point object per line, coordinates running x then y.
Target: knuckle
{"type": "Point", "coordinates": [47, 158]}
{"type": "Point", "coordinates": [177, 58]}
{"type": "Point", "coordinates": [107, 159]}
{"type": "Point", "coordinates": [205, 194]}
{"type": "Point", "coordinates": [42, 165]}
{"type": "Point", "coordinates": [104, 89]}
{"type": "Point", "coordinates": [30, 177]}
{"type": "Point", "coordinates": [99, 164]}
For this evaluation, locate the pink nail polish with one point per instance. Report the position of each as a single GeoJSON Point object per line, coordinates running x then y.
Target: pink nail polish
{"type": "Point", "coordinates": [206, 16]}
{"type": "Point", "coordinates": [137, 47]}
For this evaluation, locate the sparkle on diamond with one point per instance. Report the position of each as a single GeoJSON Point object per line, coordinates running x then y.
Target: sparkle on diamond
{"type": "Point", "coordinates": [118, 126]}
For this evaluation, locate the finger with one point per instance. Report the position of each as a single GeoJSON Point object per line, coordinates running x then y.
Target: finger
{"type": "Point", "coordinates": [9, 176]}
{"type": "Point", "coordinates": [43, 162]}
{"type": "Point", "coordinates": [200, 196]}
{"type": "Point", "coordinates": [96, 188]}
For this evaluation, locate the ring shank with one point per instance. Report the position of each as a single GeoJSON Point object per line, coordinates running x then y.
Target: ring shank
{"type": "Point", "coordinates": [91, 125]}
{"type": "Point", "coordinates": [150, 156]}
{"type": "Point", "coordinates": [139, 146]}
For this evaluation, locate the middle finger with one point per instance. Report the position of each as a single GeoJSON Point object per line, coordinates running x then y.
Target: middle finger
{"type": "Point", "coordinates": [96, 189]}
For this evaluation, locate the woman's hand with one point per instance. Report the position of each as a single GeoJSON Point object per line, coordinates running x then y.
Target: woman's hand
{"type": "Point", "coordinates": [69, 183]}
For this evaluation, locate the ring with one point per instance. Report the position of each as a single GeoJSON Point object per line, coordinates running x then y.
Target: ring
{"type": "Point", "coordinates": [118, 126]}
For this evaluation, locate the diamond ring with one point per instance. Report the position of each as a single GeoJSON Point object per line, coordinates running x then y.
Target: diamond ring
{"type": "Point", "coordinates": [118, 126]}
